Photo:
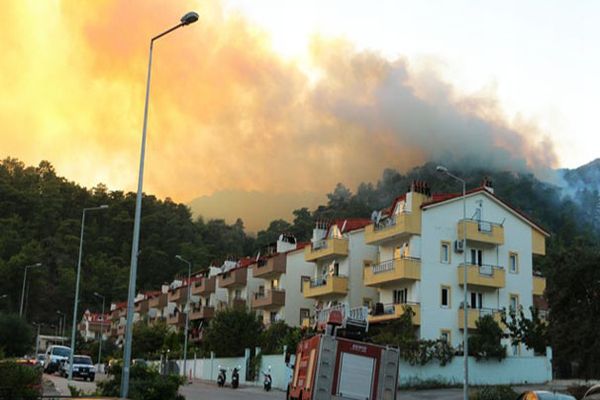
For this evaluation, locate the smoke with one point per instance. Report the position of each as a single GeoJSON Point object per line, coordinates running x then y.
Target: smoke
{"type": "Point", "coordinates": [227, 112]}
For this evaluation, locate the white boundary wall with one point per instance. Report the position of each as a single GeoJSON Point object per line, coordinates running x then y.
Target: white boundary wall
{"type": "Point", "coordinates": [511, 370]}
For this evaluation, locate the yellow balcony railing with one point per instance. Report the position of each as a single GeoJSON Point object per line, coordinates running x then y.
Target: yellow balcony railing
{"type": "Point", "coordinates": [332, 285]}
{"type": "Point", "coordinates": [482, 275]}
{"type": "Point", "coordinates": [539, 285]}
{"type": "Point", "coordinates": [475, 314]}
{"type": "Point", "coordinates": [399, 269]}
{"type": "Point", "coordinates": [326, 248]}
{"type": "Point", "coordinates": [394, 311]}
{"type": "Point", "coordinates": [393, 228]}
{"type": "Point", "coordinates": [481, 232]}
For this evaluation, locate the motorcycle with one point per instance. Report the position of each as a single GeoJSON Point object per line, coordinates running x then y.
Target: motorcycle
{"type": "Point", "coordinates": [268, 380]}
{"type": "Point", "coordinates": [222, 377]}
{"type": "Point", "coordinates": [235, 377]}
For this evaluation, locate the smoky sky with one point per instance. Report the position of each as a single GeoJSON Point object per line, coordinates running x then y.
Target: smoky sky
{"type": "Point", "coordinates": [227, 112]}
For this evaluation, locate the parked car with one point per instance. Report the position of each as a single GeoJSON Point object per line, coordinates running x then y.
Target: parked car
{"type": "Point", "coordinates": [544, 395]}
{"type": "Point", "coordinates": [55, 356]}
{"type": "Point", "coordinates": [41, 358]}
{"type": "Point", "coordinates": [83, 367]}
{"type": "Point", "coordinates": [593, 393]}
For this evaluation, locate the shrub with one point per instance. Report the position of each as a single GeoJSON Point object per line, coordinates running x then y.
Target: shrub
{"type": "Point", "coordinates": [145, 383]}
{"type": "Point", "coordinates": [20, 381]}
{"type": "Point", "coordinates": [499, 392]}
{"type": "Point", "coordinates": [485, 342]}
{"type": "Point", "coordinates": [16, 336]}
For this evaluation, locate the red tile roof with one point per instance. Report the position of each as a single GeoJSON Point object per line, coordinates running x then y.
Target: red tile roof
{"type": "Point", "coordinates": [441, 197]}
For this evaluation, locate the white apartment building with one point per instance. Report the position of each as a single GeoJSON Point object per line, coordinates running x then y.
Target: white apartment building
{"type": "Point", "coordinates": [421, 260]}
{"type": "Point", "coordinates": [339, 254]}
{"type": "Point", "coordinates": [282, 270]}
{"type": "Point", "coordinates": [94, 326]}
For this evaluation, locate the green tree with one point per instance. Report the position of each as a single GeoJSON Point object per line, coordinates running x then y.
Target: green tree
{"type": "Point", "coordinates": [148, 340]}
{"type": "Point", "coordinates": [16, 336]}
{"type": "Point", "coordinates": [485, 341]}
{"type": "Point", "coordinates": [531, 332]}
{"type": "Point", "coordinates": [232, 331]}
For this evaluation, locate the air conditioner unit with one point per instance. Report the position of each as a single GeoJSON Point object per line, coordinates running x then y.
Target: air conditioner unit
{"type": "Point", "coordinates": [459, 246]}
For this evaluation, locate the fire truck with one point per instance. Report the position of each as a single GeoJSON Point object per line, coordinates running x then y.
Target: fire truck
{"type": "Point", "coordinates": [337, 363]}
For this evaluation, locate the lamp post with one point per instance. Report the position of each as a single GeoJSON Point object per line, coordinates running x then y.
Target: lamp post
{"type": "Point", "coordinates": [187, 19]}
{"type": "Point", "coordinates": [101, 329]}
{"type": "Point", "coordinates": [187, 313]}
{"type": "Point", "coordinates": [37, 338]}
{"type": "Point", "coordinates": [444, 170]}
{"type": "Point", "coordinates": [61, 322]}
{"type": "Point", "coordinates": [76, 303]}
{"type": "Point", "coordinates": [24, 280]}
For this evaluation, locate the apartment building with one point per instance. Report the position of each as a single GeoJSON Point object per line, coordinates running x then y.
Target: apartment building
{"type": "Point", "coordinates": [118, 315]}
{"type": "Point", "coordinates": [237, 279]}
{"type": "Point", "coordinates": [339, 254]}
{"type": "Point", "coordinates": [281, 270]}
{"type": "Point", "coordinates": [421, 260]}
{"type": "Point", "coordinates": [94, 326]}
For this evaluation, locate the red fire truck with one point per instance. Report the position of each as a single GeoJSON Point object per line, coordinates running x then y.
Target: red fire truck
{"type": "Point", "coordinates": [337, 364]}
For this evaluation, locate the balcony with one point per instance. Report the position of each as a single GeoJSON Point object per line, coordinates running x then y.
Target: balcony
{"type": "Point", "coordinates": [476, 313]}
{"type": "Point", "coordinates": [141, 306]}
{"type": "Point", "coordinates": [489, 276]}
{"type": "Point", "coordinates": [326, 248]}
{"type": "Point", "coordinates": [393, 228]}
{"type": "Point", "coordinates": [482, 232]}
{"type": "Point", "coordinates": [269, 299]}
{"type": "Point", "coordinates": [539, 285]}
{"type": "Point", "coordinates": [176, 319]}
{"type": "Point", "coordinates": [271, 267]}
{"type": "Point", "coordinates": [237, 303]}
{"type": "Point", "coordinates": [204, 312]}
{"type": "Point", "coordinates": [331, 286]}
{"type": "Point", "coordinates": [395, 311]}
{"type": "Point", "coordinates": [178, 295]}
{"type": "Point", "coordinates": [205, 286]}
{"type": "Point", "coordinates": [233, 278]}
{"type": "Point", "coordinates": [158, 302]}
{"type": "Point", "coordinates": [393, 271]}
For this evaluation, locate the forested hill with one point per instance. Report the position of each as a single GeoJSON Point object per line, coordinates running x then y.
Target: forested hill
{"type": "Point", "coordinates": [40, 220]}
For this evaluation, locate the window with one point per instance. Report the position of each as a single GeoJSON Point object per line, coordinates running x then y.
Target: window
{"type": "Point", "coordinates": [261, 291]}
{"type": "Point", "coordinates": [303, 279]}
{"type": "Point", "coordinates": [238, 293]}
{"type": "Point", "coordinates": [476, 300]}
{"type": "Point", "coordinates": [445, 253]}
{"type": "Point", "coordinates": [273, 316]}
{"type": "Point", "coordinates": [445, 297]}
{"type": "Point", "coordinates": [513, 262]}
{"type": "Point", "coordinates": [275, 284]}
{"type": "Point", "coordinates": [446, 335]}
{"type": "Point", "coordinates": [400, 296]}
{"type": "Point", "coordinates": [476, 257]}
{"type": "Point", "coordinates": [513, 302]}
{"type": "Point", "coordinates": [304, 314]}
{"type": "Point", "coordinates": [367, 302]}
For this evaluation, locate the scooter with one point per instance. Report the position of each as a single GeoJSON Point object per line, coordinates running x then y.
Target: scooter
{"type": "Point", "coordinates": [268, 380]}
{"type": "Point", "coordinates": [222, 377]}
{"type": "Point", "coordinates": [235, 377]}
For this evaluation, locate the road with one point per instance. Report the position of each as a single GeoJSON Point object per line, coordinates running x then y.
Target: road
{"type": "Point", "coordinates": [203, 390]}
{"type": "Point", "coordinates": [62, 384]}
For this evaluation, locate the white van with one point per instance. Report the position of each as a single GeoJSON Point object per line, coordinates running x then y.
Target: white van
{"type": "Point", "coordinates": [55, 355]}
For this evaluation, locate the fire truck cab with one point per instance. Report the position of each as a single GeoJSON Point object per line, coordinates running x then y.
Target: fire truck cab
{"type": "Point", "coordinates": [337, 364]}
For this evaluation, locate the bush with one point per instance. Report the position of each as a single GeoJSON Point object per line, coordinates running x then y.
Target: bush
{"type": "Point", "coordinates": [145, 383]}
{"type": "Point", "coordinates": [16, 336]}
{"type": "Point", "coordinates": [499, 392]}
{"type": "Point", "coordinates": [485, 342]}
{"type": "Point", "coordinates": [20, 381]}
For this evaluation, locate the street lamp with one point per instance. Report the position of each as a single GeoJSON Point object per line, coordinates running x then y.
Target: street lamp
{"type": "Point", "coordinates": [24, 280]}
{"type": "Point", "coordinates": [187, 19]}
{"type": "Point", "coordinates": [76, 303]}
{"type": "Point", "coordinates": [187, 312]}
{"type": "Point", "coordinates": [444, 170]}
{"type": "Point", "coordinates": [101, 329]}
{"type": "Point", "coordinates": [37, 338]}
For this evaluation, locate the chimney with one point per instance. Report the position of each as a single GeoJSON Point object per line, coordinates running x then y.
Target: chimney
{"type": "Point", "coordinates": [487, 184]}
{"type": "Point", "coordinates": [285, 242]}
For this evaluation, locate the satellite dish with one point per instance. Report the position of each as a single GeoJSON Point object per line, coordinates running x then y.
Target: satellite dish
{"type": "Point", "coordinates": [374, 215]}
